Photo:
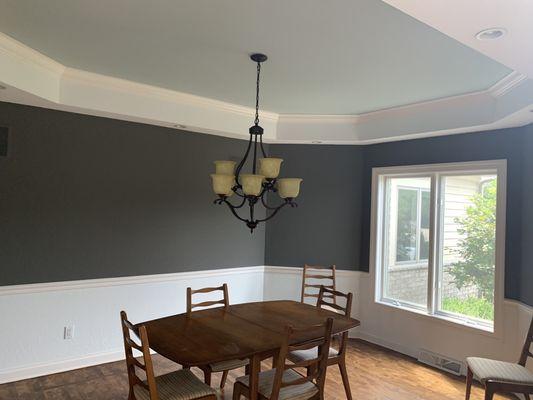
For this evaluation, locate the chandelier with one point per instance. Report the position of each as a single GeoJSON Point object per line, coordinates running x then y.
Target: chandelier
{"type": "Point", "coordinates": [253, 188]}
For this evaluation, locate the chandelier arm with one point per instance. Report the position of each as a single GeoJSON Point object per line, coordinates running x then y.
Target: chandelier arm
{"type": "Point", "coordinates": [255, 155]}
{"type": "Point", "coordinates": [243, 196]}
{"type": "Point", "coordinates": [221, 200]}
{"type": "Point", "coordinates": [268, 187]}
{"type": "Point", "coordinates": [241, 164]}
{"type": "Point", "coordinates": [276, 210]}
{"type": "Point", "coordinates": [241, 204]}
{"type": "Point", "coordinates": [233, 210]}
{"type": "Point", "coordinates": [270, 208]}
{"type": "Point", "coordinates": [262, 148]}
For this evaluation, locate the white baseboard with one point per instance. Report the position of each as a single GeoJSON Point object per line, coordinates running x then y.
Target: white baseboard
{"type": "Point", "coordinates": [408, 351]}
{"type": "Point", "coordinates": [47, 368]}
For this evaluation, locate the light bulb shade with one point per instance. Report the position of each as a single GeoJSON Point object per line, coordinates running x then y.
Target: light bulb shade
{"type": "Point", "coordinates": [269, 167]}
{"type": "Point", "coordinates": [251, 184]}
{"type": "Point", "coordinates": [222, 184]}
{"type": "Point", "coordinates": [289, 187]}
{"type": "Point", "coordinates": [225, 167]}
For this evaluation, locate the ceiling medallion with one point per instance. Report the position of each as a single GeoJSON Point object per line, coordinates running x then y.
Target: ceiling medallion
{"type": "Point", "coordinates": [253, 188]}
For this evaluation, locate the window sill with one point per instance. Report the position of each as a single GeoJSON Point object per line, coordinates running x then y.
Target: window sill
{"type": "Point", "coordinates": [447, 319]}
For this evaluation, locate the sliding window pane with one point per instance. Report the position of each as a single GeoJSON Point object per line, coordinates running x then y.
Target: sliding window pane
{"type": "Point", "coordinates": [406, 224]}
{"type": "Point", "coordinates": [467, 246]}
{"type": "Point", "coordinates": [406, 240]}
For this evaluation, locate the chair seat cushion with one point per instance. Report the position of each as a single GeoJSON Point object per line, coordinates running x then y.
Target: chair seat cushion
{"type": "Point", "coordinates": [178, 385]}
{"type": "Point", "coordinates": [227, 365]}
{"type": "Point", "coordinates": [501, 371]}
{"type": "Point", "coordinates": [296, 392]}
{"type": "Point", "coordinates": [309, 354]}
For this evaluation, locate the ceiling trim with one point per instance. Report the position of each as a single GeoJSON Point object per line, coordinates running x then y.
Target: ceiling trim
{"type": "Point", "coordinates": [141, 89]}
{"type": "Point", "coordinates": [34, 79]}
{"type": "Point", "coordinates": [507, 83]}
{"type": "Point", "coordinates": [16, 49]}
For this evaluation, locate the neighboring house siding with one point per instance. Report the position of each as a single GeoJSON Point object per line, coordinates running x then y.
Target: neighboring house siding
{"type": "Point", "coordinates": [458, 197]}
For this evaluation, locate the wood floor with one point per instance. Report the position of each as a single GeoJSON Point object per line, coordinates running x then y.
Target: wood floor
{"type": "Point", "coordinates": [375, 374]}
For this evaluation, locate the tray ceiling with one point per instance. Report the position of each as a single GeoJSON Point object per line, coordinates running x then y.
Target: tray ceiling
{"type": "Point", "coordinates": [343, 57]}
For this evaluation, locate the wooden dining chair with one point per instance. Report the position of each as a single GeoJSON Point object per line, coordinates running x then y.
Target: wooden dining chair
{"type": "Point", "coordinates": [502, 377]}
{"type": "Point", "coordinates": [177, 385]}
{"type": "Point", "coordinates": [223, 366]}
{"type": "Point", "coordinates": [335, 356]}
{"type": "Point", "coordinates": [283, 382]}
{"type": "Point", "coordinates": [311, 275]}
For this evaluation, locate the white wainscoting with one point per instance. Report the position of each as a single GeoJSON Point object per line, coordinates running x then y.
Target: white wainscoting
{"type": "Point", "coordinates": [34, 316]}
{"type": "Point", "coordinates": [407, 332]}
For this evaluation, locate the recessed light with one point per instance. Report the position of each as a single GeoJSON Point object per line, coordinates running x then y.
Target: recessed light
{"type": "Point", "coordinates": [491, 33]}
{"type": "Point", "coordinates": [316, 141]}
{"type": "Point", "coordinates": [179, 126]}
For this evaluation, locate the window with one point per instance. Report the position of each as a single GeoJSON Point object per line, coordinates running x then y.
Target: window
{"type": "Point", "coordinates": [438, 239]}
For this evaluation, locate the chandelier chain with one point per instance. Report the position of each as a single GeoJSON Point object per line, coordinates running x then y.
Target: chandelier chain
{"type": "Point", "coordinates": [257, 94]}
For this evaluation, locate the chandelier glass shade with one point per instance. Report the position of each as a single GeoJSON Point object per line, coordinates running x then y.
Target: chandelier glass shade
{"type": "Point", "coordinates": [253, 188]}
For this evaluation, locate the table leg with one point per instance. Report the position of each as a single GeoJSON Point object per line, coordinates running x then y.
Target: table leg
{"type": "Point", "coordinates": [255, 367]}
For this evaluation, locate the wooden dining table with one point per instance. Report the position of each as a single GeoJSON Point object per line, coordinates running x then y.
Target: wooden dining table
{"type": "Point", "coordinates": [249, 330]}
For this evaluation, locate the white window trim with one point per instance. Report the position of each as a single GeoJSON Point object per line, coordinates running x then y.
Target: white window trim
{"type": "Point", "coordinates": [376, 227]}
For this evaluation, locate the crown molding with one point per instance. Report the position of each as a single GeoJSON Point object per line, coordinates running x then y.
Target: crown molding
{"type": "Point", "coordinates": [506, 84]}
{"type": "Point", "coordinates": [142, 89]}
{"type": "Point", "coordinates": [14, 48]}
{"type": "Point", "coordinates": [35, 79]}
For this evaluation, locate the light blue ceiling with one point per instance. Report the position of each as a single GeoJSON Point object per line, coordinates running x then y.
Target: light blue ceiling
{"type": "Point", "coordinates": [325, 57]}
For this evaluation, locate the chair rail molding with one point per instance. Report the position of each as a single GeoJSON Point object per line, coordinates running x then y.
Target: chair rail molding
{"type": "Point", "coordinates": [124, 280]}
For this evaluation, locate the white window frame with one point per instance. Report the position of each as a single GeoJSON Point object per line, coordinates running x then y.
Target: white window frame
{"type": "Point", "coordinates": [377, 255]}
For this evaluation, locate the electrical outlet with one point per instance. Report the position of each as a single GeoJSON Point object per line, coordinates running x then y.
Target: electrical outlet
{"type": "Point", "coordinates": [68, 332]}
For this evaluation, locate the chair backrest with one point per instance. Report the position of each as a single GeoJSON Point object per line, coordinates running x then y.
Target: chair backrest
{"type": "Point", "coordinates": [317, 370]}
{"type": "Point", "coordinates": [132, 363]}
{"type": "Point", "coordinates": [224, 301]}
{"type": "Point", "coordinates": [326, 293]}
{"type": "Point", "coordinates": [313, 273]}
{"type": "Point", "coordinates": [526, 351]}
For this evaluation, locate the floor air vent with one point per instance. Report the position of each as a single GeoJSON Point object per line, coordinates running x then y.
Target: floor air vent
{"type": "Point", "coordinates": [441, 362]}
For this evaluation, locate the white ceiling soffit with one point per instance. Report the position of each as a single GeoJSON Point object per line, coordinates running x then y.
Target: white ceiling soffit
{"type": "Point", "coordinates": [34, 79]}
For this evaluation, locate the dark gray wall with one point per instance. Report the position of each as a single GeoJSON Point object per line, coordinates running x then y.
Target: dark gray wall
{"type": "Point", "coordinates": [526, 273]}
{"type": "Point", "coordinates": [335, 226]}
{"type": "Point", "coordinates": [87, 197]}
{"type": "Point", "coordinates": [326, 226]}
